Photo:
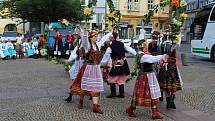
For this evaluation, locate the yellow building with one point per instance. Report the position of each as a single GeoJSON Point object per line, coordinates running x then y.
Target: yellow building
{"type": "Point", "coordinates": [10, 25]}
{"type": "Point", "coordinates": [133, 12]}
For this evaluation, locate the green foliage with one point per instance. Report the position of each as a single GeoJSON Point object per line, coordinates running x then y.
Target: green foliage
{"type": "Point", "coordinates": [44, 10]}
{"type": "Point", "coordinates": [91, 4]}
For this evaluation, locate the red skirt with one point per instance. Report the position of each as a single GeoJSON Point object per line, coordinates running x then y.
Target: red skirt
{"type": "Point", "coordinates": [141, 94]}
{"type": "Point", "coordinates": [75, 88]}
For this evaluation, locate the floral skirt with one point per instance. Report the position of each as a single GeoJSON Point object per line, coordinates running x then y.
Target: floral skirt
{"type": "Point", "coordinates": [75, 88]}
{"type": "Point", "coordinates": [141, 94]}
{"type": "Point", "coordinates": [169, 79]}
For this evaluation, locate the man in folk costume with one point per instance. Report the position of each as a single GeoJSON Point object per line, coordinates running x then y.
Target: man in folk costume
{"type": "Point", "coordinates": [169, 76]}
{"type": "Point", "coordinates": [120, 70]}
{"type": "Point", "coordinates": [89, 81]}
{"type": "Point", "coordinates": [69, 40]}
{"type": "Point", "coordinates": [77, 55]}
{"type": "Point", "coordinates": [58, 44]}
{"type": "Point", "coordinates": [146, 91]}
{"type": "Point", "coordinates": [35, 47]}
{"type": "Point", "coordinates": [11, 49]}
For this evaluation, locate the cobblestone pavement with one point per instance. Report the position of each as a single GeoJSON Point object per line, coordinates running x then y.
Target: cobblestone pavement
{"type": "Point", "coordinates": [33, 90]}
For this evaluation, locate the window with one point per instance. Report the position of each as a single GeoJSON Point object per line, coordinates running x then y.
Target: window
{"type": "Point", "coordinates": [129, 5]}
{"type": "Point", "coordinates": [213, 15]}
{"type": "Point", "coordinates": [123, 34]}
{"type": "Point", "coordinates": [136, 5]}
{"type": "Point", "coordinates": [199, 24]}
{"type": "Point", "coordinates": [150, 4]}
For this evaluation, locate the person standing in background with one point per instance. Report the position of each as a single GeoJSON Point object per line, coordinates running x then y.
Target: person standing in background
{"type": "Point", "coordinates": [58, 44]}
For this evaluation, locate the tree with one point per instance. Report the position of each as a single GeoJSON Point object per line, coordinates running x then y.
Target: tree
{"type": "Point", "coordinates": [44, 10]}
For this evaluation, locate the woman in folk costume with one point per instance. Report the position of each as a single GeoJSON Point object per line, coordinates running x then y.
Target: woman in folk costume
{"type": "Point", "coordinates": [169, 77]}
{"type": "Point", "coordinates": [120, 70]}
{"type": "Point", "coordinates": [77, 55]}
{"type": "Point", "coordinates": [11, 50]}
{"type": "Point", "coordinates": [58, 44]}
{"type": "Point", "coordinates": [146, 91]}
{"type": "Point", "coordinates": [68, 45]}
{"type": "Point", "coordinates": [4, 54]}
{"type": "Point", "coordinates": [89, 80]}
{"type": "Point", "coordinates": [35, 46]}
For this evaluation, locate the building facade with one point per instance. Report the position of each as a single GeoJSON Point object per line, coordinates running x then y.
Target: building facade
{"type": "Point", "coordinates": [133, 12]}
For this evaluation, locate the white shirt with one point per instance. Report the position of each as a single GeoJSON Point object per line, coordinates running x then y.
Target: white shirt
{"type": "Point", "coordinates": [9, 45]}
{"type": "Point", "coordinates": [151, 59]}
{"type": "Point", "coordinates": [142, 34]}
{"type": "Point", "coordinates": [35, 45]}
{"type": "Point", "coordinates": [107, 56]}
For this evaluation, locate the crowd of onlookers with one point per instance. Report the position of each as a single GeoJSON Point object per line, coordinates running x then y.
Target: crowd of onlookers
{"type": "Point", "coordinates": [26, 48]}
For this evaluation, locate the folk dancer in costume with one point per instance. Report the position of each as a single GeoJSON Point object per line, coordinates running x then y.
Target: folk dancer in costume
{"type": "Point", "coordinates": [5, 55]}
{"type": "Point", "coordinates": [120, 70]}
{"type": "Point", "coordinates": [11, 49]}
{"type": "Point", "coordinates": [154, 49]}
{"type": "Point", "coordinates": [58, 44]}
{"type": "Point", "coordinates": [89, 80]}
{"type": "Point", "coordinates": [169, 77]}
{"type": "Point", "coordinates": [146, 91]}
{"type": "Point", "coordinates": [35, 47]}
{"type": "Point", "coordinates": [68, 45]}
{"type": "Point", "coordinates": [77, 55]}
{"type": "Point", "coordinates": [28, 52]}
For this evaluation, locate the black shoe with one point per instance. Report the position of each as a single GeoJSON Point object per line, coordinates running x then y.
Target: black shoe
{"type": "Point", "coordinates": [111, 96]}
{"type": "Point", "coordinates": [172, 102]}
{"type": "Point", "coordinates": [113, 91]}
{"type": "Point", "coordinates": [120, 96]}
{"type": "Point", "coordinates": [121, 91]}
{"type": "Point", "coordinates": [69, 99]}
{"type": "Point", "coordinates": [161, 98]}
{"type": "Point", "coordinates": [168, 103]}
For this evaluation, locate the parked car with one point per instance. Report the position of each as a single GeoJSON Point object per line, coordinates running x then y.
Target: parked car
{"type": "Point", "coordinates": [12, 35]}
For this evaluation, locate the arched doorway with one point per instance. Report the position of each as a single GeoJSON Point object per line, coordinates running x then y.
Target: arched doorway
{"type": "Point", "coordinates": [10, 27]}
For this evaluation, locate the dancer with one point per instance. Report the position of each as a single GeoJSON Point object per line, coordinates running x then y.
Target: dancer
{"type": "Point", "coordinates": [120, 69]}
{"type": "Point", "coordinates": [169, 77]}
{"type": "Point", "coordinates": [146, 91]}
{"type": "Point", "coordinates": [89, 80]}
{"type": "Point", "coordinates": [77, 55]}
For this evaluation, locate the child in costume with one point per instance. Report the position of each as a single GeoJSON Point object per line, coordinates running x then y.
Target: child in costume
{"type": "Point", "coordinates": [11, 50]}
{"type": "Point", "coordinates": [35, 47]}
{"type": "Point", "coordinates": [5, 55]}
{"type": "Point", "coordinates": [146, 91]}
